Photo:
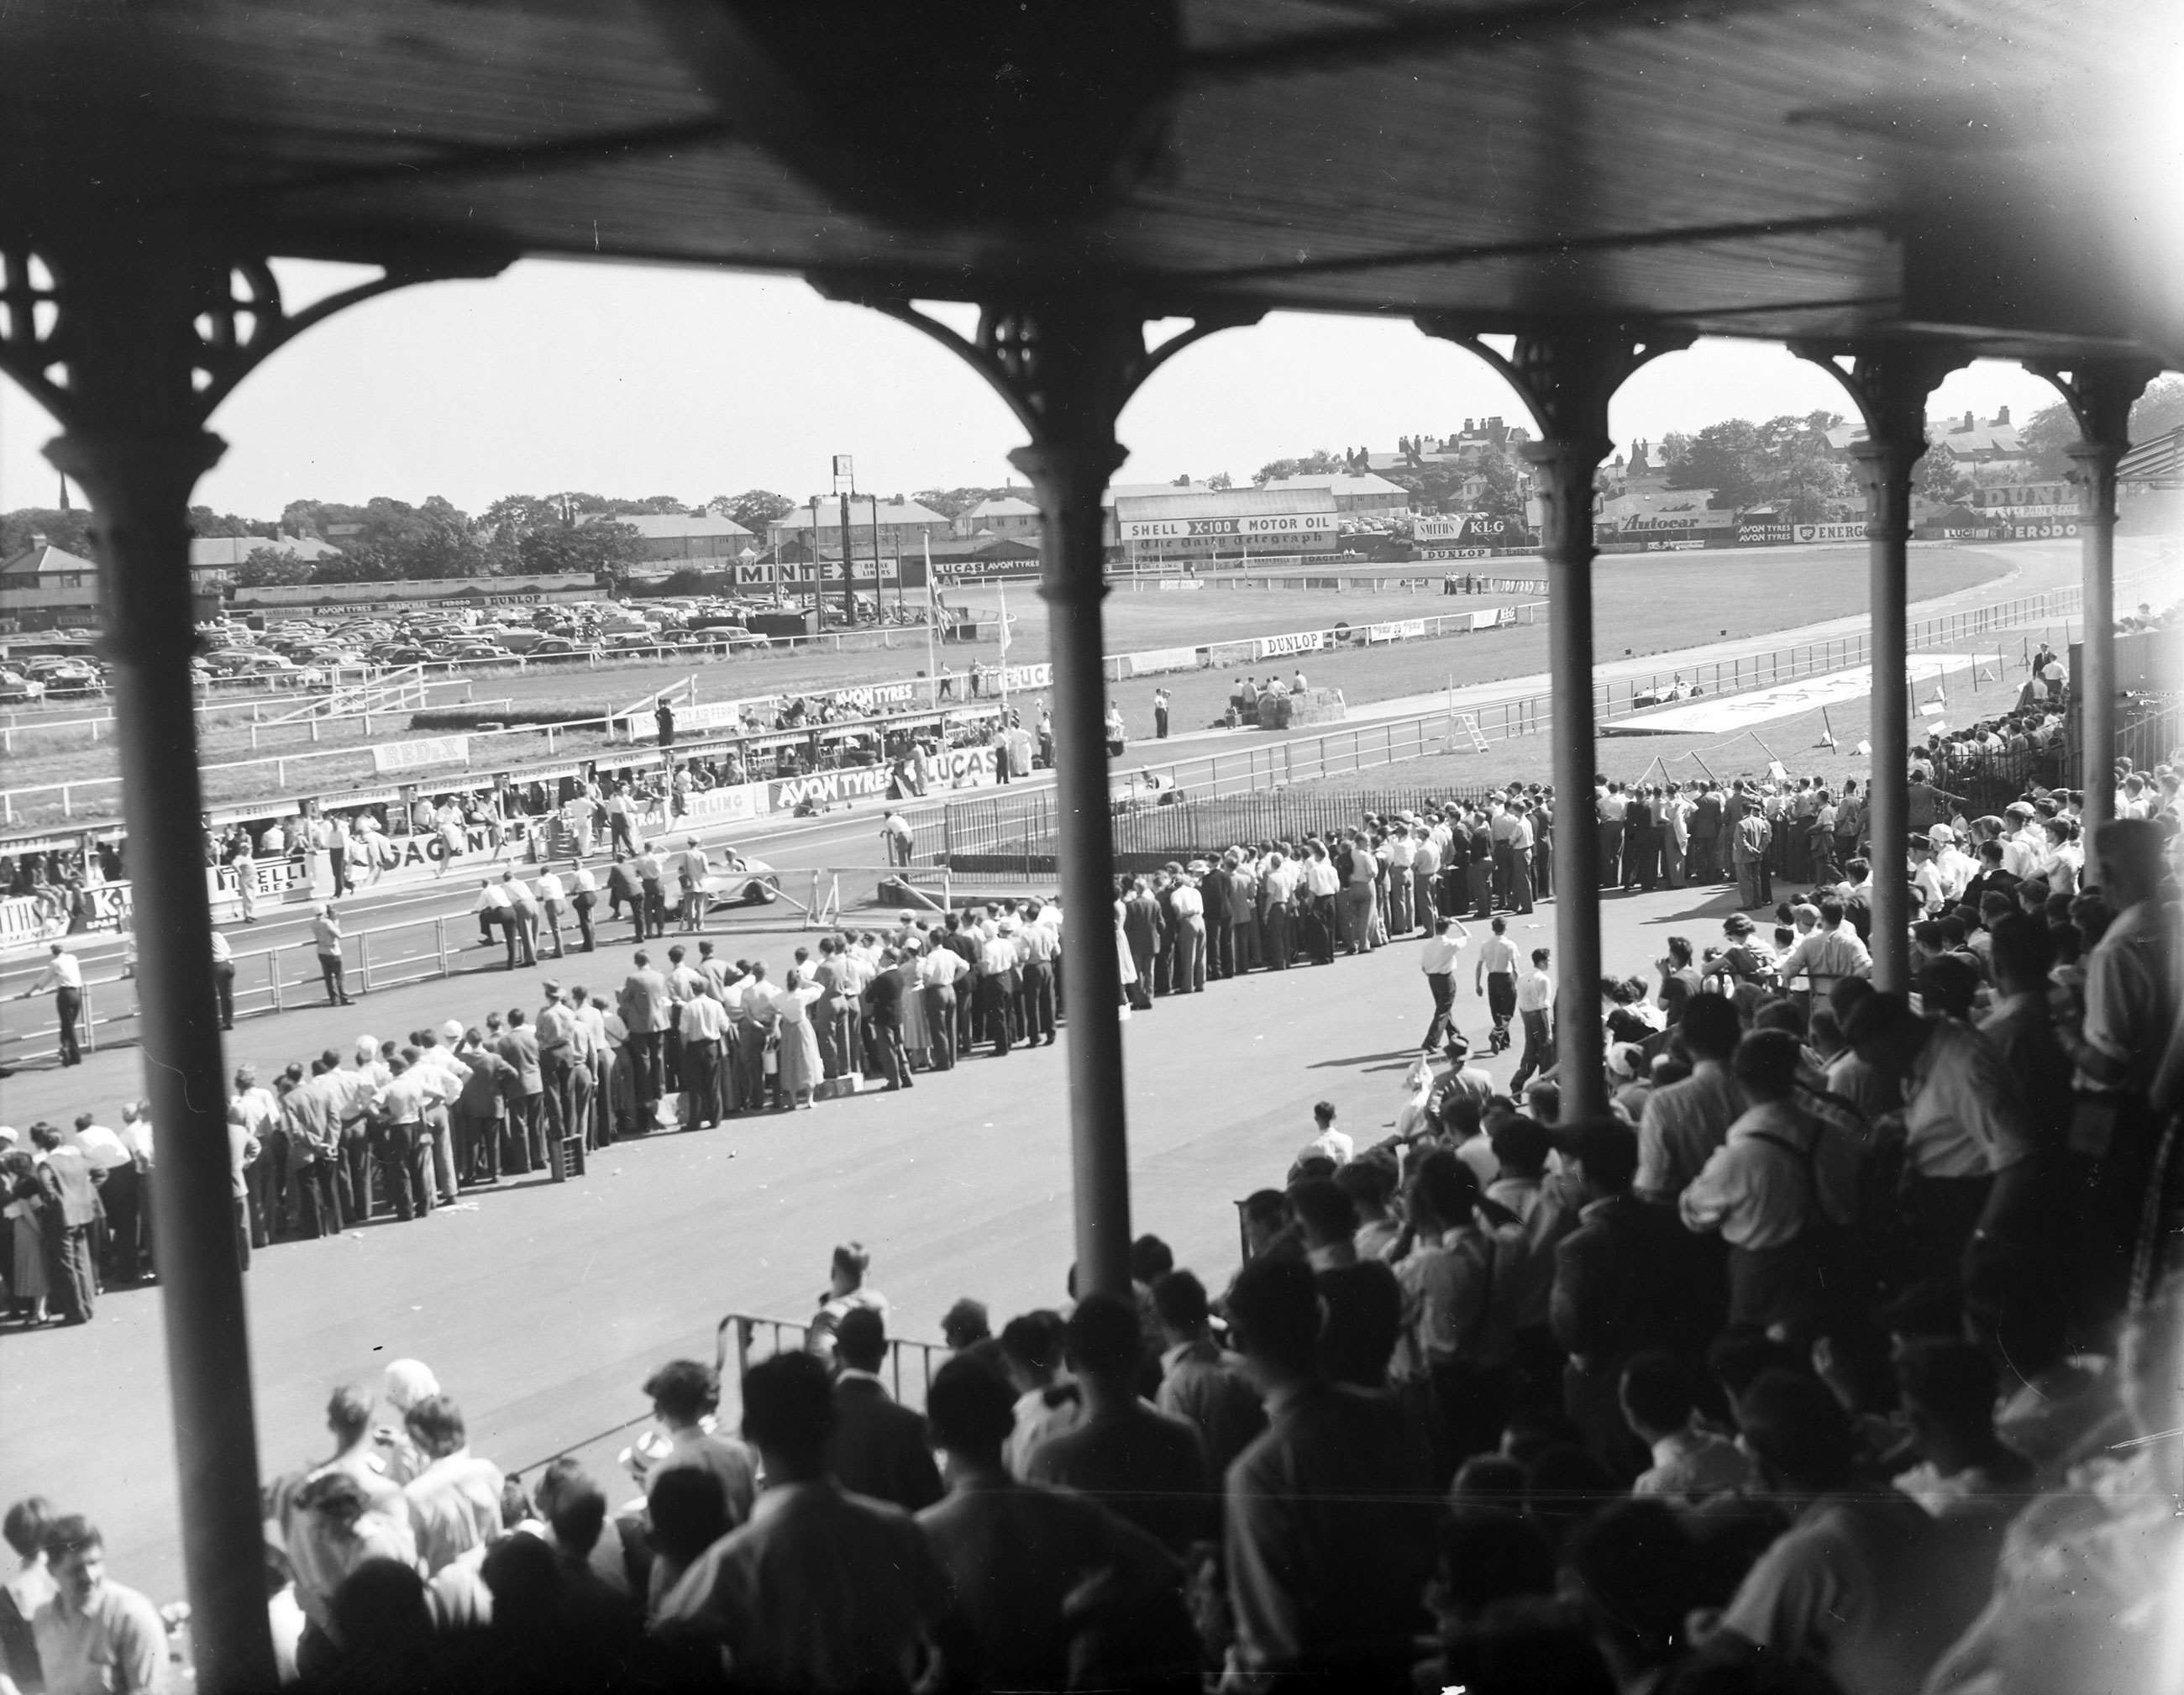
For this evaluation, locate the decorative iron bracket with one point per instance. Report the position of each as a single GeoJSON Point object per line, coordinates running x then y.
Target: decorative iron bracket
{"type": "Point", "coordinates": [2100, 393]}
{"type": "Point", "coordinates": [1890, 384]}
{"type": "Point", "coordinates": [104, 334]}
{"type": "Point", "coordinates": [1566, 377]}
{"type": "Point", "coordinates": [1066, 364]}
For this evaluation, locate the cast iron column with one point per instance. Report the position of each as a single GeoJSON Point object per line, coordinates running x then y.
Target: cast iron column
{"type": "Point", "coordinates": [1069, 477]}
{"type": "Point", "coordinates": [1566, 378]}
{"type": "Point", "coordinates": [1885, 468]}
{"type": "Point", "coordinates": [1563, 476]}
{"type": "Point", "coordinates": [1890, 383]}
{"type": "Point", "coordinates": [148, 329]}
{"type": "Point", "coordinates": [1067, 365]}
{"type": "Point", "coordinates": [139, 488]}
{"type": "Point", "coordinates": [2100, 393]}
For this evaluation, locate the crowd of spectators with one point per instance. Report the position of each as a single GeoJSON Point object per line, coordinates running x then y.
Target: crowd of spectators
{"type": "Point", "coordinates": [1842, 1354]}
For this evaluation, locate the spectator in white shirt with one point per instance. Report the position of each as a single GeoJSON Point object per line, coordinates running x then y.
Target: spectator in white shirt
{"type": "Point", "coordinates": [1437, 960]}
{"type": "Point", "coordinates": [1536, 1001]}
{"type": "Point", "coordinates": [63, 975]}
{"type": "Point", "coordinates": [1329, 1143]}
{"type": "Point", "coordinates": [1690, 1463]}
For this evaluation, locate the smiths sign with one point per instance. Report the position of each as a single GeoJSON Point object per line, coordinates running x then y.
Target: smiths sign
{"type": "Point", "coordinates": [1467, 526]}
{"type": "Point", "coordinates": [1184, 529]}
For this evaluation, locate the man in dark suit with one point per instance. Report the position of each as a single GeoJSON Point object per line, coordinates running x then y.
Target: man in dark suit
{"type": "Point", "coordinates": [1141, 930]}
{"type": "Point", "coordinates": [70, 1189]}
{"type": "Point", "coordinates": [879, 1449]}
{"type": "Point", "coordinates": [645, 1010]}
{"type": "Point", "coordinates": [1215, 889]}
{"type": "Point", "coordinates": [526, 1148]}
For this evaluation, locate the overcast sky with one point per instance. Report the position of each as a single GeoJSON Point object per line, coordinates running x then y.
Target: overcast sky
{"type": "Point", "coordinates": [632, 381]}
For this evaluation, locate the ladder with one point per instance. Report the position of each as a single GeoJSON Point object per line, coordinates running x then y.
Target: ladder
{"type": "Point", "coordinates": [1466, 725]}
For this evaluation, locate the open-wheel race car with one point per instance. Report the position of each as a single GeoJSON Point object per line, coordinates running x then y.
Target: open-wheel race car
{"type": "Point", "coordinates": [738, 880]}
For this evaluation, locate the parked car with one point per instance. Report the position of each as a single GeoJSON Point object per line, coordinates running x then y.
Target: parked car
{"type": "Point", "coordinates": [15, 685]}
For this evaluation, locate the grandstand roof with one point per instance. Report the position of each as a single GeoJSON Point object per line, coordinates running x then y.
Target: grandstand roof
{"type": "Point", "coordinates": [1222, 503]}
{"type": "Point", "coordinates": [42, 559]}
{"type": "Point", "coordinates": [655, 526]}
{"type": "Point", "coordinates": [1308, 154]}
{"type": "Point", "coordinates": [2159, 460]}
{"type": "Point", "coordinates": [1339, 482]}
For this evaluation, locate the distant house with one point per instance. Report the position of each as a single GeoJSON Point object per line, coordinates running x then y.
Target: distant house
{"type": "Point", "coordinates": [45, 588]}
{"type": "Point", "coordinates": [213, 559]}
{"type": "Point", "coordinates": [903, 525]}
{"type": "Point", "coordinates": [1363, 495]}
{"type": "Point", "coordinates": [1961, 438]}
{"type": "Point", "coordinates": [1479, 438]}
{"type": "Point", "coordinates": [1968, 441]}
{"type": "Point", "coordinates": [678, 536]}
{"type": "Point", "coordinates": [1000, 515]}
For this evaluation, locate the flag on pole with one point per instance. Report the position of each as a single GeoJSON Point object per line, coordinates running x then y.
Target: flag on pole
{"type": "Point", "coordinates": [932, 614]}
{"type": "Point", "coordinates": [1002, 588]}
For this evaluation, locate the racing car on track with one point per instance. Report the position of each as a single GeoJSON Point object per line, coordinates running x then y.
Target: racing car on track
{"type": "Point", "coordinates": [738, 880]}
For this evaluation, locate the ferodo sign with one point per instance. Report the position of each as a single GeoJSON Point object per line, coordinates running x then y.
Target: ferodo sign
{"type": "Point", "coordinates": [1303, 641]}
{"type": "Point", "coordinates": [827, 788]}
{"type": "Point", "coordinates": [1831, 532]}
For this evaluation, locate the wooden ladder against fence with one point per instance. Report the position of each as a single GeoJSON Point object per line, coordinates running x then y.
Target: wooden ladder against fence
{"type": "Point", "coordinates": [1463, 731]}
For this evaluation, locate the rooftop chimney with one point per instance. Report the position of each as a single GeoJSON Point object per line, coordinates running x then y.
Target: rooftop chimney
{"type": "Point", "coordinates": [1970, 422]}
{"type": "Point", "coordinates": [2001, 416]}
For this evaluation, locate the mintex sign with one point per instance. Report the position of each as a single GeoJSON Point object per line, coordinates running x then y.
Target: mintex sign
{"type": "Point", "coordinates": [1185, 529]}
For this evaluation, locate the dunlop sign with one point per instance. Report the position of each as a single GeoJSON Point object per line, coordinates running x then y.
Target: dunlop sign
{"type": "Point", "coordinates": [1181, 529]}
{"type": "Point", "coordinates": [1304, 641]}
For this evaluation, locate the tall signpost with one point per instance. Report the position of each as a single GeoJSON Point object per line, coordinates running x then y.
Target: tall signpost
{"type": "Point", "coordinates": [845, 485]}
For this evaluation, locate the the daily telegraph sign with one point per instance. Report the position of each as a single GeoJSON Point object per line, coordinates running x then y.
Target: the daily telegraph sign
{"type": "Point", "coordinates": [1184, 529]}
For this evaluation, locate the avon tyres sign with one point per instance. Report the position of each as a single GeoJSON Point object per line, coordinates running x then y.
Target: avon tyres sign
{"type": "Point", "coordinates": [1760, 535]}
{"type": "Point", "coordinates": [829, 788]}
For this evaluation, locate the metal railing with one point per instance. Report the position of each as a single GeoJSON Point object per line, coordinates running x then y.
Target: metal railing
{"type": "Point", "coordinates": [1497, 720]}
{"type": "Point", "coordinates": [1811, 659]}
{"type": "Point", "coordinates": [743, 1331]}
{"type": "Point", "coordinates": [736, 1340]}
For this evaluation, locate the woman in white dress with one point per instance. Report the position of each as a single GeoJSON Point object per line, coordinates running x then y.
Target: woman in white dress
{"type": "Point", "coordinates": [800, 1069]}
{"type": "Point", "coordinates": [916, 1028]}
{"type": "Point", "coordinates": [1129, 964]}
